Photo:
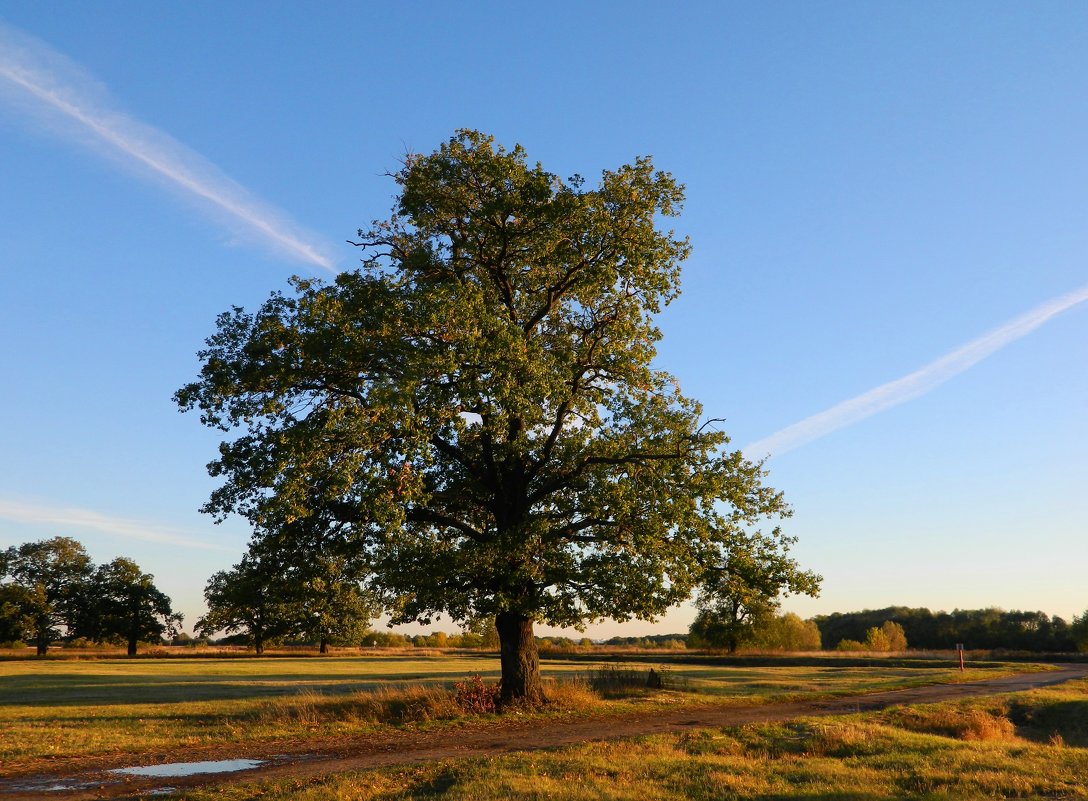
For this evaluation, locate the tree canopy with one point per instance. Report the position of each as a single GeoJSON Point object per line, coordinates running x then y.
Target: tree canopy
{"type": "Point", "coordinates": [742, 591]}
{"type": "Point", "coordinates": [475, 411]}
{"type": "Point", "coordinates": [53, 574]}
{"type": "Point", "coordinates": [54, 589]}
{"type": "Point", "coordinates": [131, 606]}
{"type": "Point", "coordinates": [249, 600]}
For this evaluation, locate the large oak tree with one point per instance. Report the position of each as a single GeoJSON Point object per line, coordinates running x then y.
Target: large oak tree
{"type": "Point", "coordinates": [475, 411]}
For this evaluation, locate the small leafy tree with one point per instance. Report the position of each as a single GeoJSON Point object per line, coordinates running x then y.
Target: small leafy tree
{"type": "Point", "coordinates": [16, 619]}
{"type": "Point", "coordinates": [477, 406]}
{"type": "Point", "coordinates": [742, 590]}
{"type": "Point", "coordinates": [53, 574]}
{"type": "Point", "coordinates": [327, 604]}
{"type": "Point", "coordinates": [248, 600]}
{"type": "Point", "coordinates": [788, 632]}
{"type": "Point", "coordinates": [132, 607]}
{"type": "Point", "coordinates": [889, 636]}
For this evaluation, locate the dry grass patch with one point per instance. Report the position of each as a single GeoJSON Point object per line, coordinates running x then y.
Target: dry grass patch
{"type": "Point", "coordinates": [971, 724]}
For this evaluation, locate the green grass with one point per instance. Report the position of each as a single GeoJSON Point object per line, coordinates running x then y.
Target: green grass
{"type": "Point", "coordinates": [84, 708]}
{"type": "Point", "coordinates": [1016, 746]}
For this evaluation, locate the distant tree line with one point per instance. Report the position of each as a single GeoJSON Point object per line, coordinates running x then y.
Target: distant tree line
{"type": "Point", "coordinates": [976, 628]}
{"type": "Point", "coordinates": [51, 590]}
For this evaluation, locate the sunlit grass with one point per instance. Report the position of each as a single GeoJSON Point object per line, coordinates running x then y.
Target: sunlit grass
{"type": "Point", "coordinates": [81, 708]}
{"type": "Point", "coordinates": [934, 751]}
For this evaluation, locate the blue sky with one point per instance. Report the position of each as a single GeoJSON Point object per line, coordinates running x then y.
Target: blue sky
{"type": "Point", "coordinates": [871, 186]}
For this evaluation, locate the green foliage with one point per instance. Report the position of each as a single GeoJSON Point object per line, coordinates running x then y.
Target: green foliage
{"type": "Point", "coordinates": [55, 589]}
{"type": "Point", "coordinates": [274, 594]}
{"type": "Point", "coordinates": [669, 641]}
{"type": "Point", "coordinates": [787, 632]}
{"type": "Point", "coordinates": [1079, 632]}
{"type": "Point", "coordinates": [851, 645]}
{"type": "Point", "coordinates": [16, 620]}
{"type": "Point", "coordinates": [246, 600]}
{"type": "Point", "coordinates": [54, 575]}
{"type": "Point", "coordinates": [888, 637]}
{"type": "Point", "coordinates": [976, 628]}
{"type": "Point", "coordinates": [480, 633]}
{"type": "Point", "coordinates": [131, 606]}
{"type": "Point", "coordinates": [385, 639]}
{"type": "Point", "coordinates": [742, 589]}
{"type": "Point", "coordinates": [474, 412]}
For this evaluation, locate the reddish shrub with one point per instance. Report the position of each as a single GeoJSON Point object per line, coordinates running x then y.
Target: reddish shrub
{"type": "Point", "coordinates": [476, 696]}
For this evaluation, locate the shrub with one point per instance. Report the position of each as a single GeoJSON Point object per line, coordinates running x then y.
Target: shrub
{"type": "Point", "coordinates": [851, 645]}
{"type": "Point", "coordinates": [476, 696]}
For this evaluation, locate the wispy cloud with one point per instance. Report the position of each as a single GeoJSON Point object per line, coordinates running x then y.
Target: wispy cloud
{"type": "Point", "coordinates": [65, 518]}
{"type": "Point", "coordinates": [50, 88]}
{"type": "Point", "coordinates": [915, 384]}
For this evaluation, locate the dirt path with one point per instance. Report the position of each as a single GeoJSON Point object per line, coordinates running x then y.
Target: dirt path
{"type": "Point", "coordinates": [301, 759]}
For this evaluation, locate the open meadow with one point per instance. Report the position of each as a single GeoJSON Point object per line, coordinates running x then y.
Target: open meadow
{"type": "Point", "coordinates": [1028, 745]}
{"type": "Point", "coordinates": [64, 714]}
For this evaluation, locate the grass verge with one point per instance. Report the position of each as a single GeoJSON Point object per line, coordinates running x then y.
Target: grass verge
{"type": "Point", "coordinates": [1016, 746]}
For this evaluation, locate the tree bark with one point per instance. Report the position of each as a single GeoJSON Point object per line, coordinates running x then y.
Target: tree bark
{"type": "Point", "coordinates": [520, 684]}
{"type": "Point", "coordinates": [258, 644]}
{"type": "Point", "coordinates": [132, 646]}
{"type": "Point", "coordinates": [324, 647]}
{"type": "Point", "coordinates": [42, 643]}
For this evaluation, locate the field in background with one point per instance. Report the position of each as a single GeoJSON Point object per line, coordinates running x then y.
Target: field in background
{"type": "Point", "coordinates": [92, 707]}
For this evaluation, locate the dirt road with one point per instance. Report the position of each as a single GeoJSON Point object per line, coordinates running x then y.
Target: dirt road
{"type": "Point", "coordinates": [300, 759]}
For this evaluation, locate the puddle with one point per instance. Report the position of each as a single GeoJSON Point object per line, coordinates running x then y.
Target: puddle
{"type": "Point", "coordinates": [172, 769]}
{"type": "Point", "coordinates": [55, 784]}
{"type": "Point", "coordinates": [47, 786]}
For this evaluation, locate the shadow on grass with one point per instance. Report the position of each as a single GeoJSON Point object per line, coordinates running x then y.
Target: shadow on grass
{"type": "Point", "coordinates": [1061, 721]}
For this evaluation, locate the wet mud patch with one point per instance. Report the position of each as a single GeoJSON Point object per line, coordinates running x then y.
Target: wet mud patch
{"type": "Point", "coordinates": [144, 774]}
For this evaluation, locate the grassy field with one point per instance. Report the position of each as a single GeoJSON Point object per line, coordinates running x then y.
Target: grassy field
{"type": "Point", "coordinates": [83, 708]}
{"type": "Point", "coordinates": [1029, 745]}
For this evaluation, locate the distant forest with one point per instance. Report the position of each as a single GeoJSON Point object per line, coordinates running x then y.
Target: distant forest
{"type": "Point", "coordinates": [975, 628]}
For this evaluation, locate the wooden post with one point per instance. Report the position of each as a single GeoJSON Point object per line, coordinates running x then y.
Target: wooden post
{"type": "Point", "coordinates": [959, 650]}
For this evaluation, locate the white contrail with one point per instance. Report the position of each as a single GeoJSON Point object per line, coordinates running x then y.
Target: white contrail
{"type": "Point", "coordinates": [915, 384]}
{"type": "Point", "coordinates": [71, 517]}
{"type": "Point", "coordinates": [36, 71]}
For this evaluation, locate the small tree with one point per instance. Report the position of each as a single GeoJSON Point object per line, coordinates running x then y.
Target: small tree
{"type": "Point", "coordinates": [326, 604]}
{"type": "Point", "coordinates": [247, 599]}
{"type": "Point", "coordinates": [132, 606]}
{"type": "Point", "coordinates": [54, 574]}
{"type": "Point", "coordinates": [16, 618]}
{"type": "Point", "coordinates": [788, 632]}
{"type": "Point", "coordinates": [889, 636]}
{"type": "Point", "coordinates": [742, 590]}
{"type": "Point", "coordinates": [321, 588]}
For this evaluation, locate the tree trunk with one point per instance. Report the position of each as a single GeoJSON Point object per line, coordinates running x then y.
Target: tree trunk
{"type": "Point", "coordinates": [324, 647]}
{"type": "Point", "coordinates": [42, 642]}
{"type": "Point", "coordinates": [520, 662]}
{"type": "Point", "coordinates": [258, 644]}
{"type": "Point", "coordinates": [132, 645]}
